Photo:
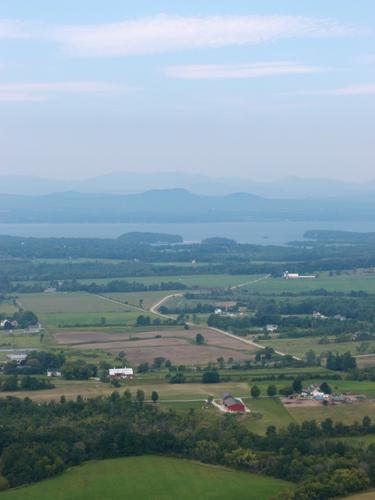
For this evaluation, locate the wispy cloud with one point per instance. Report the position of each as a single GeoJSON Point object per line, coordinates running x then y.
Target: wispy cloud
{"type": "Point", "coordinates": [20, 92]}
{"type": "Point", "coordinates": [358, 89]}
{"type": "Point", "coordinates": [350, 90]}
{"type": "Point", "coordinates": [369, 59]}
{"type": "Point", "coordinates": [165, 33]}
{"type": "Point", "coordinates": [247, 70]}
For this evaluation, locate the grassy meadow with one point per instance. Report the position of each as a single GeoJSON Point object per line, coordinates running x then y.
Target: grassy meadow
{"type": "Point", "coordinates": [78, 308]}
{"type": "Point", "coordinates": [152, 477]}
{"type": "Point", "coordinates": [342, 283]}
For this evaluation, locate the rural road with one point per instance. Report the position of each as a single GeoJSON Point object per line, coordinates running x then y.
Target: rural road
{"type": "Point", "coordinates": [155, 307]}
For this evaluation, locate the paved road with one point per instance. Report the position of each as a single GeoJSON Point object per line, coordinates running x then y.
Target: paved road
{"type": "Point", "coordinates": [155, 307]}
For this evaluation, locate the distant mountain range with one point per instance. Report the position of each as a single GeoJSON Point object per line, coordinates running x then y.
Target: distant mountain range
{"type": "Point", "coordinates": [177, 205]}
{"type": "Point", "coordinates": [130, 182]}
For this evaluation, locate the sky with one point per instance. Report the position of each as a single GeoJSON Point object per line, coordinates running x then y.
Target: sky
{"type": "Point", "coordinates": [256, 89]}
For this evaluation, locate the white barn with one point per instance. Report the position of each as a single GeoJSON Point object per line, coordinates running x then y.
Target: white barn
{"type": "Point", "coordinates": [120, 373]}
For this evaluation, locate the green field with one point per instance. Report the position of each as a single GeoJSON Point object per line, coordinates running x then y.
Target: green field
{"type": "Point", "coordinates": [199, 280]}
{"type": "Point", "coordinates": [133, 298]}
{"type": "Point", "coordinates": [343, 283]}
{"type": "Point", "coordinates": [150, 478]}
{"type": "Point", "coordinates": [7, 307]}
{"type": "Point", "coordinates": [78, 308]}
{"type": "Point", "coordinates": [299, 347]}
{"type": "Point", "coordinates": [347, 413]}
{"type": "Point", "coordinates": [267, 411]}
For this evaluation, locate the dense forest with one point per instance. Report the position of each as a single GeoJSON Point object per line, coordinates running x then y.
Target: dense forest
{"type": "Point", "coordinates": [40, 440]}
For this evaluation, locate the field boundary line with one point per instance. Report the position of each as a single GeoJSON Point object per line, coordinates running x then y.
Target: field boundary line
{"type": "Point", "coordinates": [118, 302]}
{"type": "Point", "coordinates": [250, 282]}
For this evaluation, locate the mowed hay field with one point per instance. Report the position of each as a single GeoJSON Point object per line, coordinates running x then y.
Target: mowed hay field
{"type": "Point", "coordinates": [134, 298]}
{"type": "Point", "coordinates": [299, 347]}
{"type": "Point", "coordinates": [150, 477]}
{"type": "Point", "coordinates": [176, 344]}
{"type": "Point", "coordinates": [343, 283]}
{"type": "Point", "coordinates": [78, 308]}
{"type": "Point", "coordinates": [346, 413]}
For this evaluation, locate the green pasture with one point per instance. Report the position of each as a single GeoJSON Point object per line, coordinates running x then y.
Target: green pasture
{"type": "Point", "coordinates": [198, 280]}
{"type": "Point", "coordinates": [299, 347]}
{"type": "Point", "coordinates": [342, 283]}
{"type": "Point", "coordinates": [78, 308]}
{"type": "Point", "coordinates": [134, 298]}
{"type": "Point", "coordinates": [266, 412]}
{"type": "Point", "coordinates": [7, 307]}
{"type": "Point", "coordinates": [346, 413]}
{"type": "Point", "coordinates": [152, 477]}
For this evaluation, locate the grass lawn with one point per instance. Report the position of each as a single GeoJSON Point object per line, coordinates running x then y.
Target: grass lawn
{"type": "Point", "coordinates": [150, 477]}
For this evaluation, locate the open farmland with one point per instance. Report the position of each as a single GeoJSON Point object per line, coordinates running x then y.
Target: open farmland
{"type": "Point", "coordinates": [78, 309]}
{"type": "Point", "coordinates": [299, 346]}
{"type": "Point", "coordinates": [133, 298]}
{"type": "Point", "coordinates": [342, 283]}
{"type": "Point", "coordinates": [346, 413]}
{"type": "Point", "coordinates": [150, 477]}
{"type": "Point", "coordinates": [191, 281]}
{"type": "Point", "coordinates": [177, 345]}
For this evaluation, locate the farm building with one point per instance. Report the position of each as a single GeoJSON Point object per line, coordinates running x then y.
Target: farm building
{"type": "Point", "coordinates": [295, 276]}
{"type": "Point", "coordinates": [271, 328]}
{"type": "Point", "coordinates": [233, 404]}
{"type": "Point", "coordinates": [18, 358]}
{"type": "Point", "coordinates": [120, 373]}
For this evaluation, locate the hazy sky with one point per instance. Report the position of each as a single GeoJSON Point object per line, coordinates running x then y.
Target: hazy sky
{"type": "Point", "coordinates": [262, 89]}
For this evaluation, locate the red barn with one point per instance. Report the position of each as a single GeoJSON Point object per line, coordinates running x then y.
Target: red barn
{"type": "Point", "coordinates": [233, 404]}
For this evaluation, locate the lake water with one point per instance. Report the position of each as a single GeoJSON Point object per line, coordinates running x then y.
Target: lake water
{"type": "Point", "coordinates": [245, 232]}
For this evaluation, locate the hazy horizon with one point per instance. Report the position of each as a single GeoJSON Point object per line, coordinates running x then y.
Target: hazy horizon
{"type": "Point", "coordinates": [261, 92]}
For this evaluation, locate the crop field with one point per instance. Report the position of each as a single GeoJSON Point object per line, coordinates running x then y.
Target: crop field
{"type": "Point", "coordinates": [153, 477]}
{"type": "Point", "coordinates": [78, 308]}
{"type": "Point", "coordinates": [177, 345]}
{"type": "Point", "coordinates": [342, 283]}
{"type": "Point", "coordinates": [366, 361]}
{"type": "Point", "coordinates": [299, 347]}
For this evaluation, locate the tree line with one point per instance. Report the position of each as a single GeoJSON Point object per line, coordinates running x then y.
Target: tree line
{"type": "Point", "coordinates": [40, 440]}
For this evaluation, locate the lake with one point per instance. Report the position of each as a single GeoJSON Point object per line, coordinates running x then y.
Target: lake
{"type": "Point", "coordinates": [265, 233]}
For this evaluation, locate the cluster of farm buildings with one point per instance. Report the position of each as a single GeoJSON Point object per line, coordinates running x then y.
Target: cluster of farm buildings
{"type": "Point", "coordinates": [314, 394]}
